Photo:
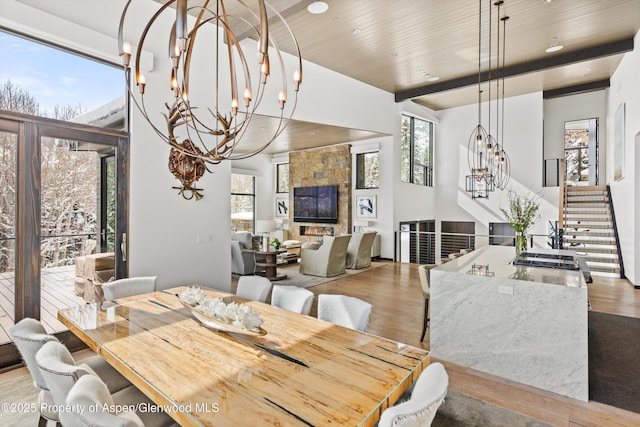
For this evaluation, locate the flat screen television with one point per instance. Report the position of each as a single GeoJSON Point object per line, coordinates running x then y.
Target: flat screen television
{"type": "Point", "coordinates": [316, 204]}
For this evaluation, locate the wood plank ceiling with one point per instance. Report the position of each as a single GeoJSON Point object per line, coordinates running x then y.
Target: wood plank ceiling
{"type": "Point", "coordinates": [396, 45]}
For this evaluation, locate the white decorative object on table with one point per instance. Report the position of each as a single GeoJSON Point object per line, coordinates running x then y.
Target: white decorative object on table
{"type": "Point", "coordinates": [215, 313]}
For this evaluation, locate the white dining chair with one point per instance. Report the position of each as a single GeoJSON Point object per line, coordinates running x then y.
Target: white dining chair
{"type": "Point", "coordinates": [343, 310]}
{"type": "Point", "coordinates": [424, 274]}
{"type": "Point", "coordinates": [29, 335]}
{"type": "Point", "coordinates": [122, 288]}
{"type": "Point", "coordinates": [90, 392]}
{"type": "Point", "coordinates": [292, 298]}
{"type": "Point", "coordinates": [61, 373]}
{"type": "Point", "coordinates": [89, 403]}
{"type": "Point", "coordinates": [255, 288]}
{"type": "Point", "coordinates": [428, 394]}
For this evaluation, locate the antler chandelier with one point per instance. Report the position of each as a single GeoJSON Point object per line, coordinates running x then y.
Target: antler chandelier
{"type": "Point", "coordinates": [204, 123]}
{"type": "Point", "coordinates": [487, 159]}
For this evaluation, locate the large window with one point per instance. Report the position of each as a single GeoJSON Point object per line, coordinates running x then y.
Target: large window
{"type": "Point", "coordinates": [282, 178]}
{"type": "Point", "coordinates": [242, 202]}
{"type": "Point", "coordinates": [367, 170]}
{"type": "Point", "coordinates": [416, 145]}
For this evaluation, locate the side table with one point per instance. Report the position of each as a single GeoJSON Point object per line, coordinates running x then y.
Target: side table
{"type": "Point", "coordinates": [270, 265]}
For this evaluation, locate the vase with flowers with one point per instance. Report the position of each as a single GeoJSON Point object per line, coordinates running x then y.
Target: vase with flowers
{"type": "Point", "coordinates": [521, 214]}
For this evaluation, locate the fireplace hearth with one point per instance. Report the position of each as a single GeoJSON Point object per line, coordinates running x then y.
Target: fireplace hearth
{"type": "Point", "coordinates": [312, 230]}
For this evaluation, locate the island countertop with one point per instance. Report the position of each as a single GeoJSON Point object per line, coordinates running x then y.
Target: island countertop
{"type": "Point", "coordinates": [496, 261]}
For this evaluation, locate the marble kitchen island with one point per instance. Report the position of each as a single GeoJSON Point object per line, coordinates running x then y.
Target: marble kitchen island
{"type": "Point", "coordinates": [525, 324]}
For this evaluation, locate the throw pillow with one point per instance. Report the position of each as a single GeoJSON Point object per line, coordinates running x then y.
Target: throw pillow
{"type": "Point", "coordinates": [311, 245]}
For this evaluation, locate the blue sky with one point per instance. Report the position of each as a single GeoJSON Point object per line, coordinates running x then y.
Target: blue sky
{"type": "Point", "coordinates": [53, 76]}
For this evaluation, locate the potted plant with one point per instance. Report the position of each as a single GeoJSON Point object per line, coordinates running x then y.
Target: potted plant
{"type": "Point", "coordinates": [521, 215]}
{"type": "Point", "coordinates": [275, 243]}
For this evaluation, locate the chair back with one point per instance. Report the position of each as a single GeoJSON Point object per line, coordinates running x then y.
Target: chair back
{"type": "Point", "coordinates": [29, 336]}
{"type": "Point", "coordinates": [428, 394]}
{"type": "Point", "coordinates": [292, 298]}
{"type": "Point", "coordinates": [255, 288]}
{"type": "Point", "coordinates": [359, 250]}
{"type": "Point", "coordinates": [59, 370]}
{"type": "Point", "coordinates": [91, 392]}
{"type": "Point", "coordinates": [122, 288]}
{"type": "Point", "coordinates": [345, 311]}
{"type": "Point", "coordinates": [424, 273]}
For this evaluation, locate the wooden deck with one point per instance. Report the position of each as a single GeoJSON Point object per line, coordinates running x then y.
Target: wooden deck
{"type": "Point", "coordinates": [56, 292]}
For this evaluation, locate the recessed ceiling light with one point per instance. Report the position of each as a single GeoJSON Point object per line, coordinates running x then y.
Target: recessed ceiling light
{"type": "Point", "coordinates": [433, 78]}
{"type": "Point", "coordinates": [394, 54]}
{"type": "Point", "coordinates": [555, 46]}
{"type": "Point", "coordinates": [356, 31]}
{"type": "Point", "coordinates": [318, 7]}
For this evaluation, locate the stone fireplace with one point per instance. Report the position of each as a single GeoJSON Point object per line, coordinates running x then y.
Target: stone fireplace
{"type": "Point", "coordinates": [322, 166]}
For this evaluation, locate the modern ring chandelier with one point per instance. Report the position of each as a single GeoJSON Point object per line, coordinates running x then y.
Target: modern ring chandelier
{"type": "Point", "coordinates": [204, 115]}
{"type": "Point", "coordinates": [488, 161]}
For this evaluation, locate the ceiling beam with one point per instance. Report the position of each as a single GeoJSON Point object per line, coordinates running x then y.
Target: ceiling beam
{"type": "Point", "coordinates": [572, 90]}
{"type": "Point", "coordinates": [547, 62]}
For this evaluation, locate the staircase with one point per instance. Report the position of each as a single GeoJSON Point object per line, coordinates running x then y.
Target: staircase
{"type": "Point", "coordinates": [589, 229]}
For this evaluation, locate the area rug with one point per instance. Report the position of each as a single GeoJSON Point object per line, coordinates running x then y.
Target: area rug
{"type": "Point", "coordinates": [20, 394]}
{"type": "Point", "coordinates": [614, 360]}
{"type": "Point", "coordinates": [294, 278]}
{"type": "Point", "coordinates": [460, 410]}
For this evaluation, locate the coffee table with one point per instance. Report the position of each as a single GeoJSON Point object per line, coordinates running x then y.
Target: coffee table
{"type": "Point", "coordinates": [270, 264]}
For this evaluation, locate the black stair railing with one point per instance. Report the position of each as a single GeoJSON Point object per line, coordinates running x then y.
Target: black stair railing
{"type": "Point", "coordinates": [615, 230]}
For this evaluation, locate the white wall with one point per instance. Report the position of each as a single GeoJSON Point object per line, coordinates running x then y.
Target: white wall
{"type": "Point", "coordinates": [523, 143]}
{"type": "Point", "coordinates": [557, 111]}
{"type": "Point", "coordinates": [625, 88]}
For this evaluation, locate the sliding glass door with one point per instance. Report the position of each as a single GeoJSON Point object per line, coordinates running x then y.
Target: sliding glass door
{"type": "Point", "coordinates": [63, 197]}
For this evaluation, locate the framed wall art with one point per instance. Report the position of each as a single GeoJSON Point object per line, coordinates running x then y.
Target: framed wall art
{"type": "Point", "coordinates": [618, 144]}
{"type": "Point", "coordinates": [282, 207]}
{"type": "Point", "coordinates": [366, 207]}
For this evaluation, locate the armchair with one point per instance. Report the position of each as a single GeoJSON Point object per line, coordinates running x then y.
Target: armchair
{"type": "Point", "coordinates": [327, 261]}
{"type": "Point", "coordinates": [359, 250]}
{"type": "Point", "coordinates": [242, 253]}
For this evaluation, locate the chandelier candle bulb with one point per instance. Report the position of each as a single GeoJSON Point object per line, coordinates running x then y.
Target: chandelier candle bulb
{"type": "Point", "coordinates": [189, 129]}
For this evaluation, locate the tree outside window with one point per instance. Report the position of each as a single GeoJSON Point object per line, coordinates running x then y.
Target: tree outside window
{"type": "Point", "coordinates": [367, 170]}
{"type": "Point", "coordinates": [242, 202]}
{"type": "Point", "coordinates": [416, 151]}
{"type": "Point", "coordinates": [282, 178]}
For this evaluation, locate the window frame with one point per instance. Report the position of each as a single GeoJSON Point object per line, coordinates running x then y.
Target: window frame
{"type": "Point", "coordinates": [413, 164]}
{"type": "Point", "coordinates": [252, 195]}
{"type": "Point", "coordinates": [360, 168]}
{"type": "Point", "coordinates": [278, 189]}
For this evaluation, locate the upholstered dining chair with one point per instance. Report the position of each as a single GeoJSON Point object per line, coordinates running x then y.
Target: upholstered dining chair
{"type": "Point", "coordinates": [61, 374]}
{"type": "Point", "coordinates": [343, 310]}
{"type": "Point", "coordinates": [255, 288]}
{"type": "Point", "coordinates": [90, 392]}
{"type": "Point", "coordinates": [292, 298]}
{"type": "Point", "coordinates": [428, 394]}
{"type": "Point", "coordinates": [424, 274]}
{"type": "Point", "coordinates": [29, 335]}
{"type": "Point", "coordinates": [122, 288]}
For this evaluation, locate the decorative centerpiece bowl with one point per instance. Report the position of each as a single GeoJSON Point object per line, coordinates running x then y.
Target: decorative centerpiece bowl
{"type": "Point", "coordinates": [215, 313]}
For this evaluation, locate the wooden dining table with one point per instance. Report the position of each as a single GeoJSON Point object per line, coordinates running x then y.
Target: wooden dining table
{"type": "Point", "coordinates": [302, 372]}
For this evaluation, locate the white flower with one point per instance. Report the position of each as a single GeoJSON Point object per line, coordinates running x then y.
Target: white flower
{"type": "Point", "coordinates": [192, 295]}
{"type": "Point", "coordinates": [239, 315]}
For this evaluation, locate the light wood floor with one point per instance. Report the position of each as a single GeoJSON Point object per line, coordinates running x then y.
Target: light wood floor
{"type": "Point", "coordinates": [394, 290]}
{"type": "Point", "coordinates": [56, 292]}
